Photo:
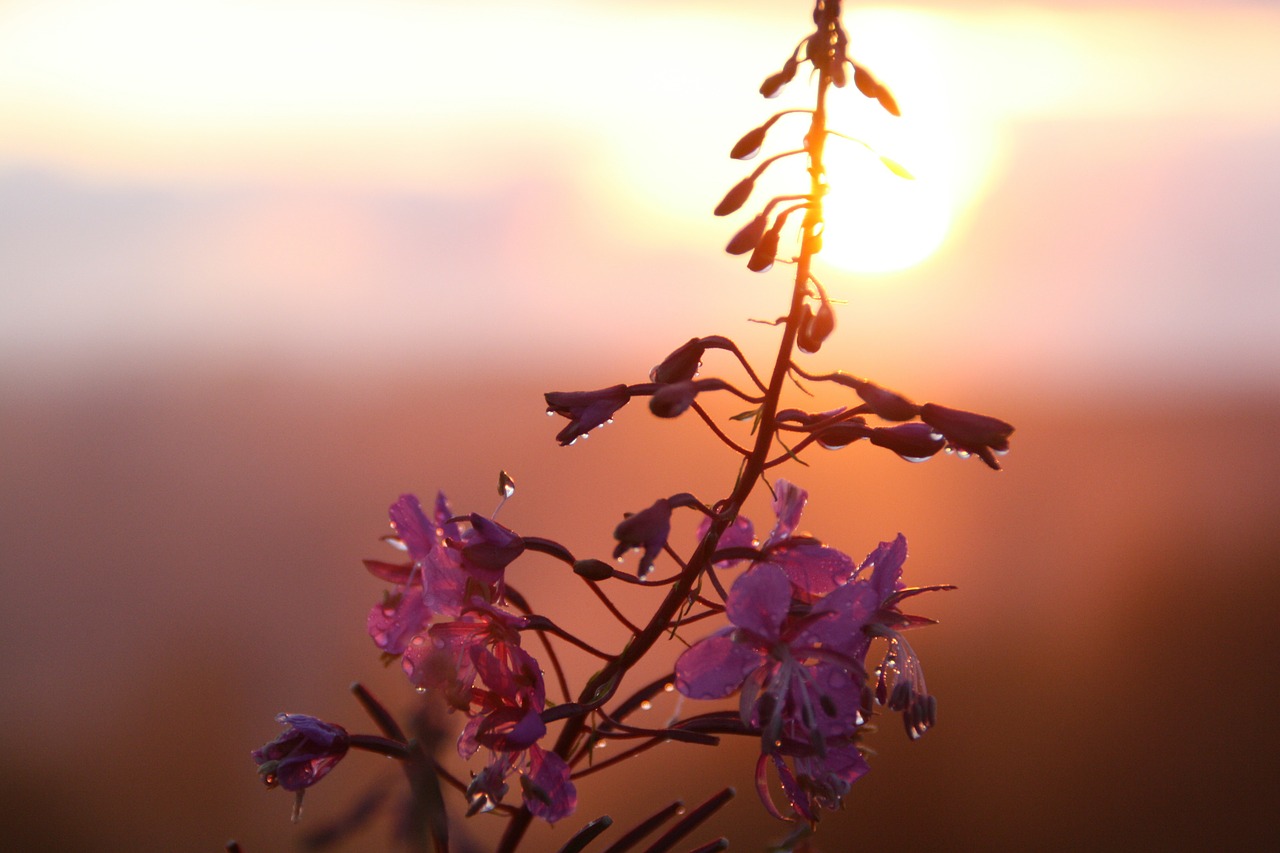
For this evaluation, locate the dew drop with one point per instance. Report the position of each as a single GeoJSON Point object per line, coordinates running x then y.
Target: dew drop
{"type": "Point", "coordinates": [668, 687]}
{"type": "Point", "coordinates": [417, 641]}
{"type": "Point", "coordinates": [646, 705]}
{"type": "Point", "coordinates": [420, 689]}
{"type": "Point", "coordinates": [506, 485]}
{"type": "Point", "coordinates": [601, 744]}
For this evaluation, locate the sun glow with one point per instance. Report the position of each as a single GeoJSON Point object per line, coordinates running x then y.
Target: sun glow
{"type": "Point", "coordinates": [876, 220]}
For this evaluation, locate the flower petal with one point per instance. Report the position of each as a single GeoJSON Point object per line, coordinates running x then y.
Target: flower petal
{"type": "Point", "coordinates": [714, 667]}
{"type": "Point", "coordinates": [758, 602]}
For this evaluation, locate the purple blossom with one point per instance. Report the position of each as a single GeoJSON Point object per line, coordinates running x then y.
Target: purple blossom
{"type": "Point", "coordinates": [508, 722]}
{"type": "Point", "coordinates": [301, 756]}
{"type": "Point", "coordinates": [585, 410]}
{"type": "Point", "coordinates": [647, 529]}
{"type": "Point", "coordinates": [967, 432]}
{"type": "Point", "coordinates": [812, 567]}
{"type": "Point", "coordinates": [740, 534]}
{"type": "Point", "coordinates": [442, 658]}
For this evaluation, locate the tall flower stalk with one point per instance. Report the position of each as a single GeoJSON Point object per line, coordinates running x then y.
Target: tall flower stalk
{"type": "Point", "coordinates": [802, 617]}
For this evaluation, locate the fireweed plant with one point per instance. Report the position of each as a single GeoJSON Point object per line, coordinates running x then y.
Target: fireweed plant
{"type": "Point", "coordinates": [803, 617]}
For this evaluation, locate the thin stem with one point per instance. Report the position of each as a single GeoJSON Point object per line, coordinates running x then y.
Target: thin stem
{"type": "Point", "coordinates": [601, 686]}
{"type": "Point", "coordinates": [716, 429]}
{"type": "Point", "coordinates": [612, 608]}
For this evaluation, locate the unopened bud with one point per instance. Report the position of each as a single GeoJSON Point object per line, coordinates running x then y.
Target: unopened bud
{"type": "Point", "coordinates": [593, 570]}
{"type": "Point", "coordinates": [749, 145]}
{"type": "Point", "coordinates": [736, 197]}
{"type": "Point", "coordinates": [766, 251]}
{"type": "Point", "coordinates": [749, 237]}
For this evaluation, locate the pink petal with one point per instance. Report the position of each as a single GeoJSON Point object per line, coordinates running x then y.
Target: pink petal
{"type": "Point", "coordinates": [788, 504]}
{"type": "Point", "coordinates": [714, 667]}
{"type": "Point", "coordinates": [814, 568]}
{"type": "Point", "coordinates": [759, 600]}
{"type": "Point", "coordinates": [548, 792]}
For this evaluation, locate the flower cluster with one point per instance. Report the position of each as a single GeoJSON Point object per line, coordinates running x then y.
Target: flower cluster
{"type": "Point", "coordinates": [803, 617]}
{"type": "Point", "coordinates": [445, 619]}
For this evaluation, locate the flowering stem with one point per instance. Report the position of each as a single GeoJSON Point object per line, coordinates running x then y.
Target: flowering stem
{"type": "Point", "coordinates": [602, 685]}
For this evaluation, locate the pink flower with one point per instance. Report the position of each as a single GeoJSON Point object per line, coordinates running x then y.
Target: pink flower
{"type": "Point", "coordinates": [303, 755]}
{"type": "Point", "coordinates": [442, 659]}
{"type": "Point", "coordinates": [812, 567]}
{"type": "Point", "coordinates": [508, 722]}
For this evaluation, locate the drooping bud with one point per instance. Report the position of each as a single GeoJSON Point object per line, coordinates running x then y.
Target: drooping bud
{"type": "Point", "coordinates": [773, 85]}
{"type": "Point", "coordinates": [766, 250]}
{"type": "Point", "coordinates": [736, 197]}
{"type": "Point", "coordinates": [748, 238]}
{"type": "Point", "coordinates": [749, 145]}
{"type": "Point", "coordinates": [841, 435]}
{"type": "Point", "coordinates": [585, 410]}
{"type": "Point", "coordinates": [968, 432]}
{"type": "Point", "coordinates": [885, 403]}
{"type": "Point", "coordinates": [815, 327]}
{"type": "Point", "coordinates": [674, 399]}
{"type": "Point", "coordinates": [682, 364]}
{"type": "Point", "coordinates": [872, 88]}
{"type": "Point", "coordinates": [913, 442]}
{"type": "Point", "coordinates": [648, 530]}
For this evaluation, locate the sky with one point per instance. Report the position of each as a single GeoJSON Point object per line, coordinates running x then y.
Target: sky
{"type": "Point", "coordinates": [323, 182]}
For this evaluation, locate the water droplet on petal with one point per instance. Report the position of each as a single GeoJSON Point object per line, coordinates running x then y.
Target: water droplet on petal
{"type": "Point", "coordinates": [420, 689]}
{"type": "Point", "coordinates": [417, 641]}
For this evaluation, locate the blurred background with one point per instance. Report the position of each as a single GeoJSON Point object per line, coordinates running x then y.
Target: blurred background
{"type": "Point", "coordinates": [266, 265]}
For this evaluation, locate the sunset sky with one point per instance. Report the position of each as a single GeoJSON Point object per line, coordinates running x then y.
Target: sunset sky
{"type": "Point", "coordinates": [267, 264]}
{"type": "Point", "coordinates": [336, 182]}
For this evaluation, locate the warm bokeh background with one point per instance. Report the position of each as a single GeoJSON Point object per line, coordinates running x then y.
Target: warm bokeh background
{"type": "Point", "coordinates": [265, 265]}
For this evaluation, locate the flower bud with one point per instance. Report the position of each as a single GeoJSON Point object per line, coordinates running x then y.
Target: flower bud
{"type": "Point", "coordinates": [593, 570]}
{"type": "Point", "coordinates": [736, 197]}
{"type": "Point", "coordinates": [913, 442]}
{"type": "Point", "coordinates": [749, 145]}
{"type": "Point", "coordinates": [815, 328]}
{"type": "Point", "coordinates": [773, 85]}
{"type": "Point", "coordinates": [749, 237]}
{"type": "Point", "coordinates": [682, 364]}
{"type": "Point", "coordinates": [766, 251]}
{"type": "Point", "coordinates": [886, 404]}
{"type": "Point", "coordinates": [673, 400]}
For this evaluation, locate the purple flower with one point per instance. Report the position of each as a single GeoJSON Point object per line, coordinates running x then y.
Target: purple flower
{"type": "Point", "coordinates": [488, 548]}
{"type": "Point", "coordinates": [647, 529]}
{"type": "Point", "coordinates": [585, 410]}
{"type": "Point", "coordinates": [508, 722]}
{"type": "Point", "coordinates": [302, 756]}
{"type": "Point", "coordinates": [967, 432]}
{"type": "Point", "coordinates": [442, 658]}
{"type": "Point", "coordinates": [434, 582]}
{"type": "Point", "coordinates": [812, 567]}
{"type": "Point", "coordinates": [767, 650]}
